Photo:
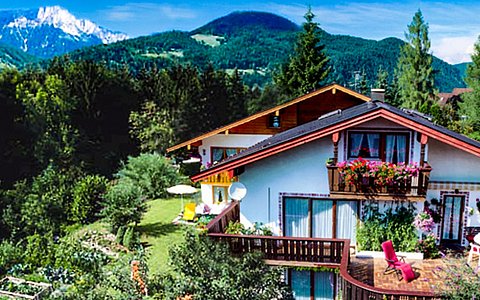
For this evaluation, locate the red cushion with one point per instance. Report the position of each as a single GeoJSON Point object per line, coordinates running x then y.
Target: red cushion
{"type": "Point", "coordinates": [407, 272]}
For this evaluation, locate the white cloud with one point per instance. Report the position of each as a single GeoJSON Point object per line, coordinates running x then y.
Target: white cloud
{"type": "Point", "coordinates": [142, 11]}
{"type": "Point", "coordinates": [453, 27]}
{"type": "Point", "coordinates": [454, 49]}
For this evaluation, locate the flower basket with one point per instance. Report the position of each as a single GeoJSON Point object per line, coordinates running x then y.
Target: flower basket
{"type": "Point", "coordinates": [377, 177]}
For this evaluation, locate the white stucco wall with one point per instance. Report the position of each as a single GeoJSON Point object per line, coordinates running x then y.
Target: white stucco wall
{"type": "Point", "coordinates": [452, 164]}
{"type": "Point", "coordinates": [301, 170]}
{"type": "Point", "coordinates": [230, 141]}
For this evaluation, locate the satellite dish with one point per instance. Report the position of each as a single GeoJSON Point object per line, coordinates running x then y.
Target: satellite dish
{"type": "Point", "coordinates": [237, 191]}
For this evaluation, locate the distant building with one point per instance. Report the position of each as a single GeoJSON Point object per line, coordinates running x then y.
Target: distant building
{"type": "Point", "coordinates": [453, 97]}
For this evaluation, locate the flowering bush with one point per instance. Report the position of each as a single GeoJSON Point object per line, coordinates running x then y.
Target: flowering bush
{"type": "Point", "coordinates": [428, 246]}
{"type": "Point", "coordinates": [383, 173]}
{"type": "Point", "coordinates": [424, 222]}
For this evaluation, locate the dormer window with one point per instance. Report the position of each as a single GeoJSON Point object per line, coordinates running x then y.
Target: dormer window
{"type": "Point", "coordinates": [389, 147]}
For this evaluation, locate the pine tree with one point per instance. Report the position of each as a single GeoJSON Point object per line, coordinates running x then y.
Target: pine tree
{"type": "Point", "coordinates": [307, 69]}
{"type": "Point", "coordinates": [470, 108]}
{"type": "Point", "coordinates": [415, 72]}
{"type": "Point", "coordinates": [392, 93]}
{"type": "Point", "coordinates": [364, 84]}
{"type": "Point", "coordinates": [382, 79]}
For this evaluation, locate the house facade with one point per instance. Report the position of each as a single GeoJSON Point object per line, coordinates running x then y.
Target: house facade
{"type": "Point", "coordinates": [217, 145]}
{"type": "Point", "coordinates": [294, 184]}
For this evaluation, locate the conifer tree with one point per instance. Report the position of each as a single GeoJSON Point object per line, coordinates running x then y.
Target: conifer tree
{"type": "Point", "coordinates": [470, 108]}
{"type": "Point", "coordinates": [306, 70]}
{"type": "Point", "coordinates": [415, 72]}
{"type": "Point", "coordinates": [364, 83]}
{"type": "Point", "coordinates": [382, 79]}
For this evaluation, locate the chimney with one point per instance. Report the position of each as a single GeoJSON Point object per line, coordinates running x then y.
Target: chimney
{"type": "Point", "coordinates": [377, 95]}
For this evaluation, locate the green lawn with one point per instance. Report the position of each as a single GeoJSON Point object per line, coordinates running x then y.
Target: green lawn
{"type": "Point", "coordinates": [159, 233]}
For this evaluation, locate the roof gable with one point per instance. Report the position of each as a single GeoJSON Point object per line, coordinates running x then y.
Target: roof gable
{"type": "Point", "coordinates": [333, 88]}
{"type": "Point", "coordinates": [337, 122]}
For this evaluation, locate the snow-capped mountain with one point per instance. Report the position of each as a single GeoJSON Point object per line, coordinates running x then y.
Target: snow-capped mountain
{"type": "Point", "coordinates": [51, 30]}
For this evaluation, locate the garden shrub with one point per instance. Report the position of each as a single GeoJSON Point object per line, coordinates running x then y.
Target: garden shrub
{"type": "Point", "coordinates": [395, 225]}
{"type": "Point", "coordinates": [153, 173]}
{"type": "Point", "coordinates": [428, 246]}
{"type": "Point", "coordinates": [10, 255]}
{"type": "Point", "coordinates": [131, 238]}
{"type": "Point", "coordinates": [370, 235]}
{"type": "Point", "coordinates": [40, 250]}
{"type": "Point", "coordinates": [87, 194]}
{"type": "Point", "coordinates": [120, 234]}
{"type": "Point", "coordinates": [399, 228]}
{"type": "Point", "coordinates": [206, 270]}
{"type": "Point", "coordinates": [123, 204]}
{"type": "Point", "coordinates": [43, 209]}
{"type": "Point", "coordinates": [460, 281]}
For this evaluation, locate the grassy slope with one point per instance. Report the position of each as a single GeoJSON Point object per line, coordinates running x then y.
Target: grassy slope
{"type": "Point", "coordinates": [159, 233]}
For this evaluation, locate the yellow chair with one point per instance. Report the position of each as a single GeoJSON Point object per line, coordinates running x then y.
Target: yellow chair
{"type": "Point", "coordinates": [189, 212]}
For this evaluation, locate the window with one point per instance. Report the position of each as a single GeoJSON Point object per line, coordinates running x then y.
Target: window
{"type": "Point", "coordinates": [390, 147]}
{"type": "Point", "coordinates": [304, 217]}
{"type": "Point", "coordinates": [220, 194]}
{"type": "Point", "coordinates": [306, 285]}
{"type": "Point", "coordinates": [220, 153]}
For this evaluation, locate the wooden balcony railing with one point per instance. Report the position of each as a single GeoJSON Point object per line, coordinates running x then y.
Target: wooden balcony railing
{"type": "Point", "coordinates": [220, 178]}
{"type": "Point", "coordinates": [230, 213]}
{"type": "Point", "coordinates": [296, 251]}
{"type": "Point", "coordinates": [414, 189]}
{"type": "Point", "coordinates": [282, 248]}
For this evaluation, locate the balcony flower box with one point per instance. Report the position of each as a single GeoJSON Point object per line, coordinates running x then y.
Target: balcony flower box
{"type": "Point", "coordinates": [362, 173]}
{"type": "Point", "coordinates": [375, 177]}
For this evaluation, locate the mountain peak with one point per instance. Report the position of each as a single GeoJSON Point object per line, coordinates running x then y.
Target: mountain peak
{"type": "Point", "coordinates": [245, 20]}
{"type": "Point", "coordinates": [29, 29]}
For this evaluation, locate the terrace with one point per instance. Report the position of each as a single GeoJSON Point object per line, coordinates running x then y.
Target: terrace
{"type": "Point", "coordinates": [357, 279]}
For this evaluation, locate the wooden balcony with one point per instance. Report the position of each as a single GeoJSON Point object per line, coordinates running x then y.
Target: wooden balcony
{"type": "Point", "coordinates": [223, 178]}
{"type": "Point", "coordinates": [309, 252]}
{"type": "Point", "coordinates": [414, 190]}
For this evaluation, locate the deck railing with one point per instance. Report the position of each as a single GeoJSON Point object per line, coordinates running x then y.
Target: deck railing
{"type": "Point", "coordinates": [415, 187]}
{"type": "Point", "coordinates": [352, 289]}
{"type": "Point", "coordinates": [294, 251]}
{"type": "Point", "coordinates": [282, 248]}
{"type": "Point", "coordinates": [230, 213]}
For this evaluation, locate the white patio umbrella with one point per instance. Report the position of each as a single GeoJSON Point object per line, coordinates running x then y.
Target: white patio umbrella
{"type": "Point", "coordinates": [181, 189]}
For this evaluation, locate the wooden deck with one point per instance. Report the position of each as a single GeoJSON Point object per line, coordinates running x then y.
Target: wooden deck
{"type": "Point", "coordinates": [357, 279]}
{"type": "Point", "coordinates": [371, 271]}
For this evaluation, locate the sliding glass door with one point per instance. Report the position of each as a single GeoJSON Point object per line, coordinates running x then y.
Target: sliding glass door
{"type": "Point", "coordinates": [347, 221]}
{"type": "Point", "coordinates": [306, 217]}
{"type": "Point", "coordinates": [307, 285]}
{"type": "Point", "coordinates": [297, 217]}
{"type": "Point", "coordinates": [322, 219]}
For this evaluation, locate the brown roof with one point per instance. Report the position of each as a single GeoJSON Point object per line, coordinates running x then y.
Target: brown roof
{"type": "Point", "coordinates": [444, 97]}
{"type": "Point", "coordinates": [336, 122]}
{"type": "Point", "coordinates": [333, 87]}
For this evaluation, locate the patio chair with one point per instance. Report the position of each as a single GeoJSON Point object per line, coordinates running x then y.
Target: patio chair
{"type": "Point", "coordinates": [474, 250]}
{"type": "Point", "coordinates": [396, 263]}
{"type": "Point", "coordinates": [189, 212]}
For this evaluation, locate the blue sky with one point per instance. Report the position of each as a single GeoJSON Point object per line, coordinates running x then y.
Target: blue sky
{"type": "Point", "coordinates": [454, 25]}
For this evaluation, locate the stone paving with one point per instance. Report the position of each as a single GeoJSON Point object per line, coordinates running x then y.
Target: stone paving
{"type": "Point", "coordinates": [371, 272]}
